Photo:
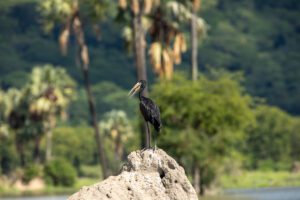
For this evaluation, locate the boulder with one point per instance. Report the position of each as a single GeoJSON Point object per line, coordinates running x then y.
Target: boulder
{"type": "Point", "coordinates": [146, 175]}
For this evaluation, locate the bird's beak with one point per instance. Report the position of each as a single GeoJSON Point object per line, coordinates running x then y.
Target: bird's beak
{"type": "Point", "coordinates": [134, 89]}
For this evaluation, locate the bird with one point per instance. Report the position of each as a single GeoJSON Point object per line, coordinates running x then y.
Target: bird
{"type": "Point", "coordinates": [149, 110]}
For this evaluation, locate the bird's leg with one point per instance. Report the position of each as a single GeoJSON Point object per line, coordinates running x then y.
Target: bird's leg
{"type": "Point", "coordinates": [154, 138]}
{"type": "Point", "coordinates": [148, 145]}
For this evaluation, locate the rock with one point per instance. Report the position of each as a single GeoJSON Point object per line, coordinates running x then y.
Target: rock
{"type": "Point", "coordinates": [146, 175]}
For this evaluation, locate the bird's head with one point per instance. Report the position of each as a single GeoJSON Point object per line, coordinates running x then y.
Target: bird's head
{"type": "Point", "coordinates": [139, 86]}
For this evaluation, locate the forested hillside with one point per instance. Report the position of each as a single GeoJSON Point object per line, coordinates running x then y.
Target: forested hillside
{"type": "Point", "coordinates": [260, 38]}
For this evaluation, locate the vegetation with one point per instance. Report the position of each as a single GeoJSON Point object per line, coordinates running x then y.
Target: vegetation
{"type": "Point", "coordinates": [73, 124]}
{"type": "Point", "coordinates": [212, 121]}
{"type": "Point", "coordinates": [60, 172]}
{"type": "Point", "coordinates": [257, 179]}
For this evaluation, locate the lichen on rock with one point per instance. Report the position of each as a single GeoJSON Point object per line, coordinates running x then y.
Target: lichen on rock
{"type": "Point", "coordinates": [147, 175]}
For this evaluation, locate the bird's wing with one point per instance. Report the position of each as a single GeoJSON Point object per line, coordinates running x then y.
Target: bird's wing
{"type": "Point", "coordinates": [156, 121]}
{"type": "Point", "coordinates": [151, 112]}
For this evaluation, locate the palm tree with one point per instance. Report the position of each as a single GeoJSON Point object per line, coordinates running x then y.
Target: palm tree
{"type": "Point", "coordinates": [148, 17]}
{"type": "Point", "coordinates": [32, 111]}
{"type": "Point", "coordinates": [15, 115]}
{"type": "Point", "coordinates": [135, 33]}
{"type": "Point", "coordinates": [117, 129]}
{"type": "Point", "coordinates": [52, 89]}
{"type": "Point", "coordinates": [135, 37]}
{"type": "Point", "coordinates": [194, 39]}
{"type": "Point", "coordinates": [185, 11]}
{"type": "Point", "coordinates": [69, 13]}
{"type": "Point", "coordinates": [167, 42]}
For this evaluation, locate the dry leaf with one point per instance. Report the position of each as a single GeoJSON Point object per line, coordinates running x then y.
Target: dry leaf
{"type": "Point", "coordinates": [122, 4]}
{"type": "Point", "coordinates": [63, 40]}
{"type": "Point", "coordinates": [177, 49]}
{"type": "Point", "coordinates": [168, 63]}
{"type": "Point", "coordinates": [148, 6]}
{"type": "Point", "coordinates": [196, 4]}
{"type": "Point", "coordinates": [183, 47]}
{"type": "Point", "coordinates": [85, 55]}
{"type": "Point", "coordinates": [135, 7]}
{"type": "Point", "coordinates": [155, 56]}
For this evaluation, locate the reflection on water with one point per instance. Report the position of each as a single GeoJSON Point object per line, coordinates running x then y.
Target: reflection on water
{"type": "Point", "coordinates": [288, 193]}
{"type": "Point", "coordinates": [234, 194]}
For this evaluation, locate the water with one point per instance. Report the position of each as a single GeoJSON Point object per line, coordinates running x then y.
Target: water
{"type": "Point", "coordinates": [288, 193]}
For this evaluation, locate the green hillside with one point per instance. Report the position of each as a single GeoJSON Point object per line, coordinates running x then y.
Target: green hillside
{"type": "Point", "coordinates": [259, 38]}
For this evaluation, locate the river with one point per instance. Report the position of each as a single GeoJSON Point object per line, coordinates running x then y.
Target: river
{"type": "Point", "coordinates": [287, 193]}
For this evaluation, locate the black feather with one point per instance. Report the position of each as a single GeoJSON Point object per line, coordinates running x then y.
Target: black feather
{"type": "Point", "coordinates": [150, 112]}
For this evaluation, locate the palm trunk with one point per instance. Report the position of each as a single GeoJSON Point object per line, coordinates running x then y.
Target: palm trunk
{"type": "Point", "coordinates": [194, 45]}
{"type": "Point", "coordinates": [140, 57]}
{"type": "Point", "coordinates": [48, 145]}
{"type": "Point", "coordinates": [98, 137]}
{"type": "Point", "coordinates": [196, 178]}
{"type": "Point", "coordinates": [84, 64]}
{"type": "Point", "coordinates": [36, 150]}
{"type": "Point", "coordinates": [20, 151]}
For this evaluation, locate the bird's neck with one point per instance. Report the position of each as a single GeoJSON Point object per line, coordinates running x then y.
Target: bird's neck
{"type": "Point", "coordinates": [140, 95]}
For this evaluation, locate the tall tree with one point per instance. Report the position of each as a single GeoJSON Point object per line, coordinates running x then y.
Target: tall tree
{"type": "Point", "coordinates": [205, 128]}
{"type": "Point", "coordinates": [194, 40]}
{"type": "Point", "coordinates": [52, 89]}
{"type": "Point", "coordinates": [135, 36]}
{"type": "Point", "coordinates": [167, 42]}
{"type": "Point", "coordinates": [185, 11]}
{"type": "Point", "coordinates": [69, 13]}
{"type": "Point", "coordinates": [117, 130]}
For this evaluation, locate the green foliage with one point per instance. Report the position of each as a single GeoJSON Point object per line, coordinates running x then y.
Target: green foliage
{"type": "Point", "coordinates": [244, 36]}
{"type": "Point", "coordinates": [76, 144]}
{"type": "Point", "coordinates": [108, 96]}
{"type": "Point", "coordinates": [257, 179]}
{"type": "Point", "coordinates": [118, 137]}
{"type": "Point", "coordinates": [8, 154]}
{"type": "Point", "coordinates": [203, 119]}
{"type": "Point", "coordinates": [90, 171]}
{"type": "Point", "coordinates": [269, 141]}
{"type": "Point", "coordinates": [31, 171]}
{"type": "Point", "coordinates": [60, 172]}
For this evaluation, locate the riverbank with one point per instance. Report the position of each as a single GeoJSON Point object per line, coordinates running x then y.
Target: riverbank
{"type": "Point", "coordinates": [48, 190]}
{"type": "Point", "coordinates": [243, 179]}
{"type": "Point", "coordinates": [260, 179]}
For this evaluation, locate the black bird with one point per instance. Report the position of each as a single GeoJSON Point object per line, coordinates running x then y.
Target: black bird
{"type": "Point", "coordinates": [149, 110]}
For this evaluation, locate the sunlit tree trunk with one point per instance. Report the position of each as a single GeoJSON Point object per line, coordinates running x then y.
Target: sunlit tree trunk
{"type": "Point", "coordinates": [20, 150]}
{"type": "Point", "coordinates": [48, 145]}
{"type": "Point", "coordinates": [140, 55]}
{"type": "Point", "coordinates": [84, 64]}
{"type": "Point", "coordinates": [196, 178]}
{"type": "Point", "coordinates": [194, 45]}
{"type": "Point", "coordinates": [36, 151]}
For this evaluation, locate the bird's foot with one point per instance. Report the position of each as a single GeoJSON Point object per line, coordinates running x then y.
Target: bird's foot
{"type": "Point", "coordinates": [145, 149]}
{"type": "Point", "coordinates": [154, 148]}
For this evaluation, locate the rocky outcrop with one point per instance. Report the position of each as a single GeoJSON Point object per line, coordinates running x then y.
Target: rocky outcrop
{"type": "Point", "coordinates": [147, 175]}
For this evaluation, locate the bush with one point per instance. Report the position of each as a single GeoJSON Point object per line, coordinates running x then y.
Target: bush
{"type": "Point", "coordinates": [60, 172]}
{"type": "Point", "coordinates": [30, 172]}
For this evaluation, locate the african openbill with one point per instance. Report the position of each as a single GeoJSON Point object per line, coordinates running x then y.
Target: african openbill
{"type": "Point", "coordinates": [149, 110]}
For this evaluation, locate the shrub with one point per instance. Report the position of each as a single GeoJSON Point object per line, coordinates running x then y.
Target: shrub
{"type": "Point", "coordinates": [60, 172]}
{"type": "Point", "coordinates": [30, 172]}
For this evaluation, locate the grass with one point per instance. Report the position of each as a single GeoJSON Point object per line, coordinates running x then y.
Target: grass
{"type": "Point", "coordinates": [244, 179]}
{"type": "Point", "coordinates": [89, 175]}
{"type": "Point", "coordinates": [49, 190]}
{"type": "Point", "coordinates": [258, 179]}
